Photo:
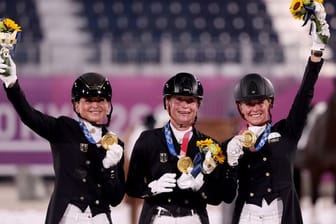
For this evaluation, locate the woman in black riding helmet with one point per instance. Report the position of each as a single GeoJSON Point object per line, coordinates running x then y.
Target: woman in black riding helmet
{"type": "Point", "coordinates": [88, 178]}
{"type": "Point", "coordinates": [263, 153]}
{"type": "Point", "coordinates": [171, 195]}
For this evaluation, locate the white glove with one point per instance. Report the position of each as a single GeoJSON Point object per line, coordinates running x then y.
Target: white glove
{"type": "Point", "coordinates": [8, 72]}
{"type": "Point", "coordinates": [234, 150]}
{"type": "Point", "coordinates": [113, 155]}
{"type": "Point", "coordinates": [164, 184]}
{"type": "Point", "coordinates": [209, 163]}
{"type": "Point", "coordinates": [320, 14]}
{"type": "Point", "coordinates": [186, 180]}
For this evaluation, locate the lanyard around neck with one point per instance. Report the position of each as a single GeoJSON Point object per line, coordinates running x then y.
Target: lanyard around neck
{"type": "Point", "coordinates": [170, 143]}
{"type": "Point", "coordinates": [184, 146]}
{"type": "Point", "coordinates": [264, 137]}
{"type": "Point", "coordinates": [86, 132]}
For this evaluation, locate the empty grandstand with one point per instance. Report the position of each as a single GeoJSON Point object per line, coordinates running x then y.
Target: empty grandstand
{"type": "Point", "coordinates": [123, 37]}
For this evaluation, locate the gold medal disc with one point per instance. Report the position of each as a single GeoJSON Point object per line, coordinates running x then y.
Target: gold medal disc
{"type": "Point", "coordinates": [249, 139]}
{"type": "Point", "coordinates": [108, 139]}
{"type": "Point", "coordinates": [184, 163]}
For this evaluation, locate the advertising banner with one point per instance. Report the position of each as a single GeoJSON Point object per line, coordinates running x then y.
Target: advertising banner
{"type": "Point", "coordinates": [133, 98]}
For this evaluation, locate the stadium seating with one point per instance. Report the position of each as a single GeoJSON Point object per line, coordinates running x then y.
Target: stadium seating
{"type": "Point", "coordinates": [200, 31]}
{"type": "Point", "coordinates": [24, 13]}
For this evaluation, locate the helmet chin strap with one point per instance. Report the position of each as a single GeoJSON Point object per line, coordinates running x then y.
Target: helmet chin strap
{"type": "Point", "coordinates": [100, 125]}
{"type": "Point", "coordinates": [187, 125]}
{"type": "Point", "coordinates": [269, 114]}
{"type": "Point", "coordinates": [107, 122]}
{"type": "Point", "coordinates": [181, 125]}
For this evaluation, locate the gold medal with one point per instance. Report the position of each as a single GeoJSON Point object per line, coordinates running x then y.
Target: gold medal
{"type": "Point", "coordinates": [249, 139]}
{"type": "Point", "coordinates": [108, 139]}
{"type": "Point", "coordinates": [184, 163]}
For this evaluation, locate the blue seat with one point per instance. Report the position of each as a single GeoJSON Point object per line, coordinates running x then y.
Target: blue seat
{"type": "Point", "coordinates": [23, 12]}
{"type": "Point", "coordinates": [187, 23]}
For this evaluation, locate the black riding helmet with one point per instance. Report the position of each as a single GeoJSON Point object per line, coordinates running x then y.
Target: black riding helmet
{"type": "Point", "coordinates": [253, 87]}
{"type": "Point", "coordinates": [92, 85]}
{"type": "Point", "coordinates": [182, 84]}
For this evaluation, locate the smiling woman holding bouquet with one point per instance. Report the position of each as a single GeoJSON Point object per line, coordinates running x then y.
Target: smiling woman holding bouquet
{"type": "Point", "coordinates": [87, 157]}
{"type": "Point", "coordinates": [173, 168]}
{"type": "Point", "coordinates": [263, 153]}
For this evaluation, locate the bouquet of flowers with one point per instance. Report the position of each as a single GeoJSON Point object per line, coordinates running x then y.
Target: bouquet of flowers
{"type": "Point", "coordinates": [9, 32]}
{"type": "Point", "coordinates": [213, 154]}
{"type": "Point", "coordinates": [310, 9]}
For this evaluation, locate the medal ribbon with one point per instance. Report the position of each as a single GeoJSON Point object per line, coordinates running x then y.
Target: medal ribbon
{"type": "Point", "coordinates": [183, 151]}
{"type": "Point", "coordinates": [197, 165]}
{"type": "Point", "coordinates": [169, 140]}
{"type": "Point", "coordinates": [198, 158]}
{"type": "Point", "coordinates": [263, 137]}
{"type": "Point", "coordinates": [86, 132]}
{"type": "Point", "coordinates": [170, 143]}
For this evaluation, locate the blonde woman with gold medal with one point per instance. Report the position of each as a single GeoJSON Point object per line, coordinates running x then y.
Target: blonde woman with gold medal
{"type": "Point", "coordinates": [88, 158]}
{"type": "Point", "coordinates": [263, 153]}
{"type": "Point", "coordinates": [166, 167]}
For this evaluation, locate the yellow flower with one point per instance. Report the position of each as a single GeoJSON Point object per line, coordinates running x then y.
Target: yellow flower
{"type": "Point", "coordinates": [297, 7]}
{"type": "Point", "coordinates": [208, 145]}
{"type": "Point", "coordinates": [11, 25]}
{"type": "Point", "coordinates": [297, 10]}
{"type": "Point", "coordinates": [8, 25]}
{"type": "Point", "coordinates": [204, 143]}
{"type": "Point", "coordinates": [219, 157]}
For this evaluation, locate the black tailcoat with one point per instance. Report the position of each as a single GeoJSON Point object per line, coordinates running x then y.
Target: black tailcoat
{"type": "Point", "coordinates": [80, 177]}
{"type": "Point", "coordinates": [268, 173]}
{"type": "Point", "coordinates": [151, 159]}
